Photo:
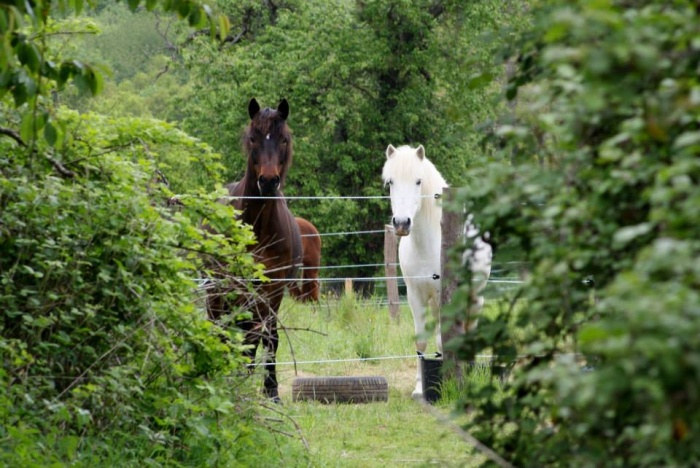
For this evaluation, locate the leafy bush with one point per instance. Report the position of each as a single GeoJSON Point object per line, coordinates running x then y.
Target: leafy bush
{"type": "Point", "coordinates": [599, 182]}
{"type": "Point", "coordinates": [105, 355]}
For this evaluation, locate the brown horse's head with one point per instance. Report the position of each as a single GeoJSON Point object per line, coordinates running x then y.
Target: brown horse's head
{"type": "Point", "coordinates": [267, 142]}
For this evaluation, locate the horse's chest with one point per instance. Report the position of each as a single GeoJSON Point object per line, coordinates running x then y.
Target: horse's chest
{"type": "Point", "coordinates": [419, 258]}
{"type": "Point", "coordinates": [276, 247]}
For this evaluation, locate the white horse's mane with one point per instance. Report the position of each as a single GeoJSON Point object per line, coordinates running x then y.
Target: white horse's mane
{"type": "Point", "coordinates": [405, 165]}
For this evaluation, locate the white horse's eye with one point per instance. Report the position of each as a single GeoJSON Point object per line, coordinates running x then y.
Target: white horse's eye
{"type": "Point", "coordinates": [389, 182]}
{"type": "Point", "coordinates": [418, 182]}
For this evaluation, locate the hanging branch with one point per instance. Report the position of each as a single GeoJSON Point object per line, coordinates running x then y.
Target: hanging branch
{"type": "Point", "coordinates": [60, 168]}
{"type": "Point", "coordinates": [229, 39]}
{"type": "Point", "coordinates": [14, 135]}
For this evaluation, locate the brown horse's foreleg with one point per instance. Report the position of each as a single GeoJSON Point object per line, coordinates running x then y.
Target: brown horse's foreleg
{"type": "Point", "coordinates": [271, 343]}
{"type": "Point", "coordinates": [216, 305]}
{"type": "Point", "coordinates": [251, 339]}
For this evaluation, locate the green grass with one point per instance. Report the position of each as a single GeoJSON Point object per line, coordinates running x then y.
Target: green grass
{"type": "Point", "coordinates": [397, 433]}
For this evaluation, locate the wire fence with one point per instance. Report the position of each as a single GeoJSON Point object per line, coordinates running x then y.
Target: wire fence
{"type": "Point", "coordinates": [435, 196]}
{"type": "Point", "coordinates": [502, 268]}
{"type": "Point", "coordinates": [435, 276]}
{"type": "Point", "coordinates": [478, 359]}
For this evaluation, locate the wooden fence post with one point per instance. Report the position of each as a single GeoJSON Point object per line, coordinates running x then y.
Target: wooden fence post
{"type": "Point", "coordinates": [451, 231]}
{"type": "Point", "coordinates": [392, 285]}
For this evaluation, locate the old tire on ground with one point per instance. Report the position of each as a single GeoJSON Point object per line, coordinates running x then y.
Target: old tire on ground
{"type": "Point", "coordinates": [340, 389]}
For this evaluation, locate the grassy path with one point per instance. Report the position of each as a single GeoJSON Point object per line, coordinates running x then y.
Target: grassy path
{"type": "Point", "coordinates": [397, 433]}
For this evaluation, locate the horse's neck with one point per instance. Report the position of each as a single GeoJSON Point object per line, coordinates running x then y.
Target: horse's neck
{"type": "Point", "coordinates": [426, 231]}
{"type": "Point", "coordinates": [258, 212]}
{"type": "Point", "coordinates": [252, 209]}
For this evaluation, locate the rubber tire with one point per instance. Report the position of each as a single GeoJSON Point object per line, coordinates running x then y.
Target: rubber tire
{"type": "Point", "coordinates": [365, 389]}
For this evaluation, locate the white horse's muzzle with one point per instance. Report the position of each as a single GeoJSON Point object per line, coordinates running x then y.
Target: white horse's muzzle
{"type": "Point", "coordinates": [402, 227]}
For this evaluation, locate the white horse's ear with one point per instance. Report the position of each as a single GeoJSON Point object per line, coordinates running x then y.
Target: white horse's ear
{"type": "Point", "coordinates": [390, 151]}
{"type": "Point", "coordinates": [420, 152]}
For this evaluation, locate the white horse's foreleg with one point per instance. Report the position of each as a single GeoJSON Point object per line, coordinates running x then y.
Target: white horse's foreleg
{"type": "Point", "coordinates": [418, 311]}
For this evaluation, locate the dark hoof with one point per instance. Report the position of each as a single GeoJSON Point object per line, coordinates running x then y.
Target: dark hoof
{"type": "Point", "coordinates": [273, 395]}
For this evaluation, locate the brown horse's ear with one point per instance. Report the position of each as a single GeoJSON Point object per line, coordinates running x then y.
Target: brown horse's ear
{"type": "Point", "coordinates": [420, 152]}
{"type": "Point", "coordinates": [253, 108]}
{"type": "Point", "coordinates": [283, 109]}
{"type": "Point", "coordinates": [390, 151]}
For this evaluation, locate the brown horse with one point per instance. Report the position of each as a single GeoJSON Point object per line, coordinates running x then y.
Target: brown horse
{"type": "Point", "coordinates": [309, 291]}
{"type": "Point", "coordinates": [267, 143]}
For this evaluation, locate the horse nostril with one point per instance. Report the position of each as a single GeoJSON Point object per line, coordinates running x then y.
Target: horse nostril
{"type": "Point", "coordinates": [275, 180]}
{"type": "Point", "coordinates": [408, 222]}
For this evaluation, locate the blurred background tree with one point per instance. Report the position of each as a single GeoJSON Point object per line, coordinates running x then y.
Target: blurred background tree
{"type": "Point", "coordinates": [358, 75]}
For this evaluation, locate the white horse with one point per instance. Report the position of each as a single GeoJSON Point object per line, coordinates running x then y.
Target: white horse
{"type": "Point", "coordinates": [416, 214]}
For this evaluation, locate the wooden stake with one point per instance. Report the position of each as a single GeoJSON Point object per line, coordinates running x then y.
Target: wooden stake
{"type": "Point", "coordinates": [392, 285]}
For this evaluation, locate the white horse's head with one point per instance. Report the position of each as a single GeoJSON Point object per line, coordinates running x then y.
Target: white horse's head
{"type": "Point", "coordinates": [410, 177]}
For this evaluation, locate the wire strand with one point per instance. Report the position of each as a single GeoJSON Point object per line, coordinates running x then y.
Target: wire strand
{"type": "Point", "coordinates": [324, 197]}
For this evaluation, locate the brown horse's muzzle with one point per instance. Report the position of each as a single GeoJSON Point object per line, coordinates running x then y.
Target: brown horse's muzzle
{"type": "Point", "coordinates": [268, 186]}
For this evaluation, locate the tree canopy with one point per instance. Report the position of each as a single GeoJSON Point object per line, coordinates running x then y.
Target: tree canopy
{"type": "Point", "coordinates": [358, 76]}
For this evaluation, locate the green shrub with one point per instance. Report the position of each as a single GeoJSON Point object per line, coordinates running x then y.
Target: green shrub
{"type": "Point", "coordinates": [105, 356]}
{"type": "Point", "coordinates": [599, 181]}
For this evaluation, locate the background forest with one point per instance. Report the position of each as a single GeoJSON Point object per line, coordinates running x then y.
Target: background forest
{"type": "Point", "coordinates": [358, 76]}
{"type": "Point", "coordinates": [572, 129]}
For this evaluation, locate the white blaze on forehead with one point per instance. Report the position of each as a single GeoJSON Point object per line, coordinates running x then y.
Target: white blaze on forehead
{"type": "Point", "coordinates": [267, 137]}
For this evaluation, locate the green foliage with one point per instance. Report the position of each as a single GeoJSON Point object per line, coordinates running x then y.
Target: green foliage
{"type": "Point", "coordinates": [601, 168]}
{"type": "Point", "coordinates": [29, 70]}
{"type": "Point", "coordinates": [145, 95]}
{"type": "Point", "coordinates": [106, 357]}
{"type": "Point", "coordinates": [137, 50]}
{"type": "Point", "coordinates": [128, 54]}
{"type": "Point", "coordinates": [358, 76]}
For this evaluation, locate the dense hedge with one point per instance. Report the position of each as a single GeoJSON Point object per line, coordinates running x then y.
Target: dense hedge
{"type": "Point", "coordinates": [600, 182]}
{"type": "Point", "coordinates": [105, 356]}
